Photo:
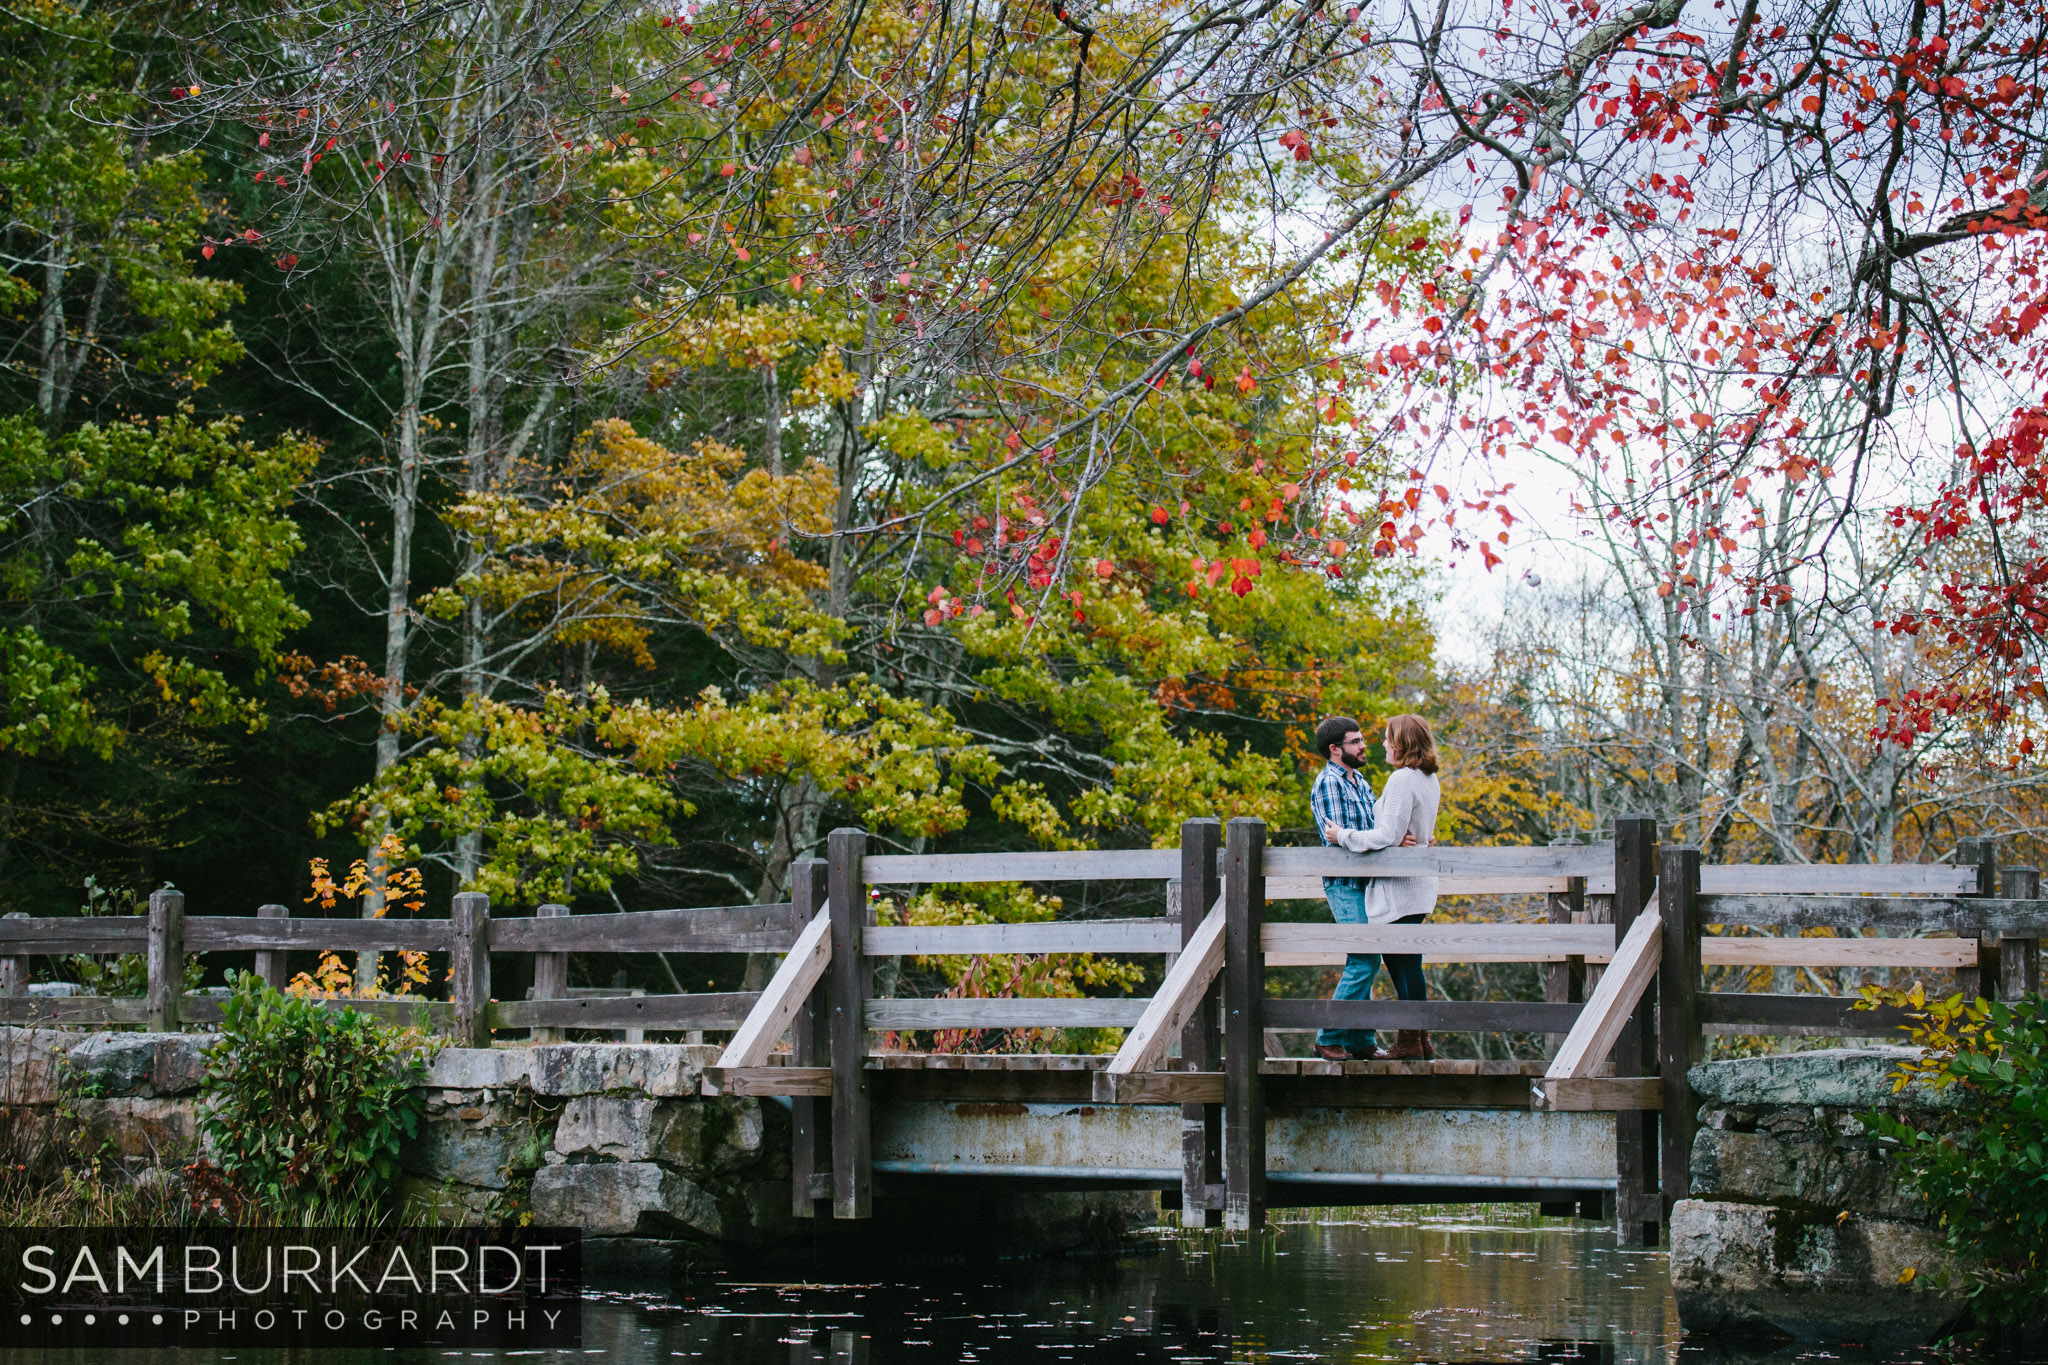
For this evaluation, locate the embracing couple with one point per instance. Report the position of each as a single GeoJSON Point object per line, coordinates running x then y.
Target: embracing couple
{"type": "Point", "coordinates": [1350, 817]}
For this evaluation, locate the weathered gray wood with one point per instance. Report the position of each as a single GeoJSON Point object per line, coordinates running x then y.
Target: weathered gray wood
{"type": "Point", "coordinates": [1680, 1044]}
{"type": "Point", "coordinates": [1441, 1016]}
{"type": "Point", "coordinates": [726, 1009]}
{"type": "Point", "coordinates": [433, 1014]}
{"type": "Point", "coordinates": [1637, 1205]}
{"type": "Point", "coordinates": [2019, 955]}
{"type": "Point", "coordinates": [1945, 954]}
{"type": "Point", "coordinates": [550, 974]}
{"type": "Point", "coordinates": [74, 1011]}
{"type": "Point", "coordinates": [1979, 857]}
{"type": "Point", "coordinates": [1597, 1094]}
{"type": "Point", "coordinates": [1835, 879]}
{"type": "Point", "coordinates": [1562, 860]}
{"type": "Point", "coordinates": [270, 962]}
{"type": "Point", "coordinates": [1500, 942]}
{"type": "Point", "coordinates": [810, 1047]}
{"type": "Point", "coordinates": [240, 933]}
{"type": "Point", "coordinates": [807, 1082]}
{"type": "Point", "coordinates": [469, 968]}
{"type": "Point", "coordinates": [13, 969]}
{"type": "Point", "coordinates": [1201, 1037]}
{"type": "Point", "coordinates": [1812, 1015]}
{"type": "Point", "coordinates": [853, 1176]}
{"type": "Point", "coordinates": [165, 961]}
{"type": "Point", "coordinates": [1244, 1037]}
{"type": "Point", "coordinates": [723, 929]}
{"type": "Point", "coordinates": [1955, 914]}
{"type": "Point", "coordinates": [26, 935]}
{"type": "Point", "coordinates": [806, 965]}
{"type": "Point", "coordinates": [1086, 865]}
{"type": "Point", "coordinates": [1055, 936]}
{"type": "Point", "coordinates": [1004, 1012]}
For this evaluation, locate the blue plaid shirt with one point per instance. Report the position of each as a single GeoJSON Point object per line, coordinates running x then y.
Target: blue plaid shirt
{"type": "Point", "coordinates": [1342, 798]}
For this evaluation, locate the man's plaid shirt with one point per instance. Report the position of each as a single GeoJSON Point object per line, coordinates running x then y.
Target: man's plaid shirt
{"type": "Point", "coordinates": [1342, 798]}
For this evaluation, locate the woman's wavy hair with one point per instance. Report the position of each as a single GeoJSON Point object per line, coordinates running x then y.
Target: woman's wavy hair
{"type": "Point", "coordinates": [1410, 744]}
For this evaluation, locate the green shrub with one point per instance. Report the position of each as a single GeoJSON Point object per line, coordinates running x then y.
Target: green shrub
{"type": "Point", "coordinates": [1983, 1168]}
{"type": "Point", "coordinates": [309, 1106]}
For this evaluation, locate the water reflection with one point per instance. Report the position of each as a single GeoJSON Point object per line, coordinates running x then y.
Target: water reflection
{"type": "Point", "coordinates": [1453, 1285]}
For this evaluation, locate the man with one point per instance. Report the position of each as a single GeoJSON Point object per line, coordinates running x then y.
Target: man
{"type": "Point", "coordinates": [1342, 797]}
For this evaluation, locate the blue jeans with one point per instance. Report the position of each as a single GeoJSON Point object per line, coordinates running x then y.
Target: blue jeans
{"type": "Point", "coordinates": [1406, 968]}
{"type": "Point", "coordinates": [1347, 906]}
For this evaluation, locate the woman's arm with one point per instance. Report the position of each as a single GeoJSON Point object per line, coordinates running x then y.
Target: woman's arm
{"type": "Point", "coordinates": [1389, 818]}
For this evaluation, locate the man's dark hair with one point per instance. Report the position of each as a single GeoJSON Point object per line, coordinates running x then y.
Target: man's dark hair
{"type": "Point", "coordinates": [1332, 731]}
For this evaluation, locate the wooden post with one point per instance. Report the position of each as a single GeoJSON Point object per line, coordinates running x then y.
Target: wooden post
{"type": "Point", "coordinates": [2019, 959]}
{"type": "Point", "coordinates": [14, 970]}
{"type": "Point", "coordinates": [1564, 983]}
{"type": "Point", "coordinates": [469, 969]}
{"type": "Point", "coordinates": [1244, 1035]}
{"type": "Point", "coordinates": [809, 1045]}
{"type": "Point", "coordinates": [853, 1177]}
{"type": "Point", "coordinates": [550, 978]}
{"type": "Point", "coordinates": [166, 959]}
{"type": "Point", "coordinates": [1636, 1203]}
{"type": "Point", "coordinates": [1201, 1125]}
{"type": "Point", "coordinates": [1681, 1045]}
{"type": "Point", "coordinates": [270, 961]}
{"type": "Point", "coordinates": [1982, 979]}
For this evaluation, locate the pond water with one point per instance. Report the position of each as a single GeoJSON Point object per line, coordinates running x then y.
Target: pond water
{"type": "Point", "coordinates": [1439, 1285]}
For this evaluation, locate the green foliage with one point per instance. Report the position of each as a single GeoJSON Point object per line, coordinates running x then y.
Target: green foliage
{"type": "Point", "coordinates": [1984, 1168]}
{"type": "Point", "coordinates": [308, 1106]}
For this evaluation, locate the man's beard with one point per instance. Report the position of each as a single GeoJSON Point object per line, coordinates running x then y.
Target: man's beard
{"type": "Point", "coordinates": [1351, 760]}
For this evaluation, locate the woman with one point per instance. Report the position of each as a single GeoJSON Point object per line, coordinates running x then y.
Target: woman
{"type": "Point", "coordinates": [1406, 807]}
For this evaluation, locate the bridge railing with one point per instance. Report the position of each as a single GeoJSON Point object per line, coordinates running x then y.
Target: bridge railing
{"type": "Point", "coordinates": [468, 938]}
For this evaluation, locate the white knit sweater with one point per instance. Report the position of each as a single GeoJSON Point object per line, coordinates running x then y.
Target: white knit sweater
{"type": "Point", "coordinates": [1407, 806]}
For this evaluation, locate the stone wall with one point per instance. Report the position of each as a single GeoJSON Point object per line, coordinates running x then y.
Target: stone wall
{"type": "Point", "coordinates": [1798, 1223]}
{"type": "Point", "coordinates": [626, 1141]}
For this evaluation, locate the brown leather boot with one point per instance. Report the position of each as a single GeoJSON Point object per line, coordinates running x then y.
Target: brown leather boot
{"type": "Point", "coordinates": [1410, 1045]}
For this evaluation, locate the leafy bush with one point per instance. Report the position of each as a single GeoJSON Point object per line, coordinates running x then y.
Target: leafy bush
{"type": "Point", "coordinates": [309, 1106]}
{"type": "Point", "coordinates": [1983, 1167]}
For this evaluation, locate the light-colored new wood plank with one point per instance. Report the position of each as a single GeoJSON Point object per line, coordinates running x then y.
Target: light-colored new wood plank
{"type": "Point", "coordinates": [1614, 999]}
{"type": "Point", "coordinates": [1010, 1012]}
{"type": "Point", "coordinates": [1055, 936]}
{"type": "Point", "coordinates": [1596, 1094]}
{"type": "Point", "coordinates": [814, 1081]}
{"type": "Point", "coordinates": [1311, 888]}
{"type": "Point", "coordinates": [799, 974]}
{"type": "Point", "coordinates": [1936, 953]}
{"type": "Point", "coordinates": [1139, 864]}
{"type": "Point", "coordinates": [1566, 860]}
{"type": "Point", "coordinates": [1146, 1045]}
{"type": "Point", "coordinates": [1502, 942]}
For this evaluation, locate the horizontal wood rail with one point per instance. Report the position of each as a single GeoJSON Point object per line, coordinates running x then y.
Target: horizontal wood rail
{"type": "Point", "coordinates": [1596, 1094]}
{"type": "Point", "coordinates": [73, 935]}
{"type": "Point", "coordinates": [1941, 954]}
{"type": "Point", "coordinates": [1956, 915]}
{"type": "Point", "coordinates": [1502, 942]}
{"type": "Point", "coordinates": [1565, 860]}
{"type": "Point", "coordinates": [724, 929]}
{"type": "Point", "coordinates": [1311, 888]}
{"type": "Point", "coordinates": [220, 933]}
{"type": "Point", "coordinates": [708, 1010]}
{"type": "Point", "coordinates": [1052, 936]}
{"type": "Point", "coordinates": [1442, 1016]}
{"type": "Point", "coordinates": [1814, 1015]}
{"type": "Point", "coordinates": [1087, 865]}
{"type": "Point", "coordinates": [77, 1011]}
{"type": "Point", "coordinates": [1005, 1012]}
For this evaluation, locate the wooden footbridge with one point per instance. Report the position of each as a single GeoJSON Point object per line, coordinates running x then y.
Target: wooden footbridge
{"type": "Point", "coordinates": [1194, 1103]}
